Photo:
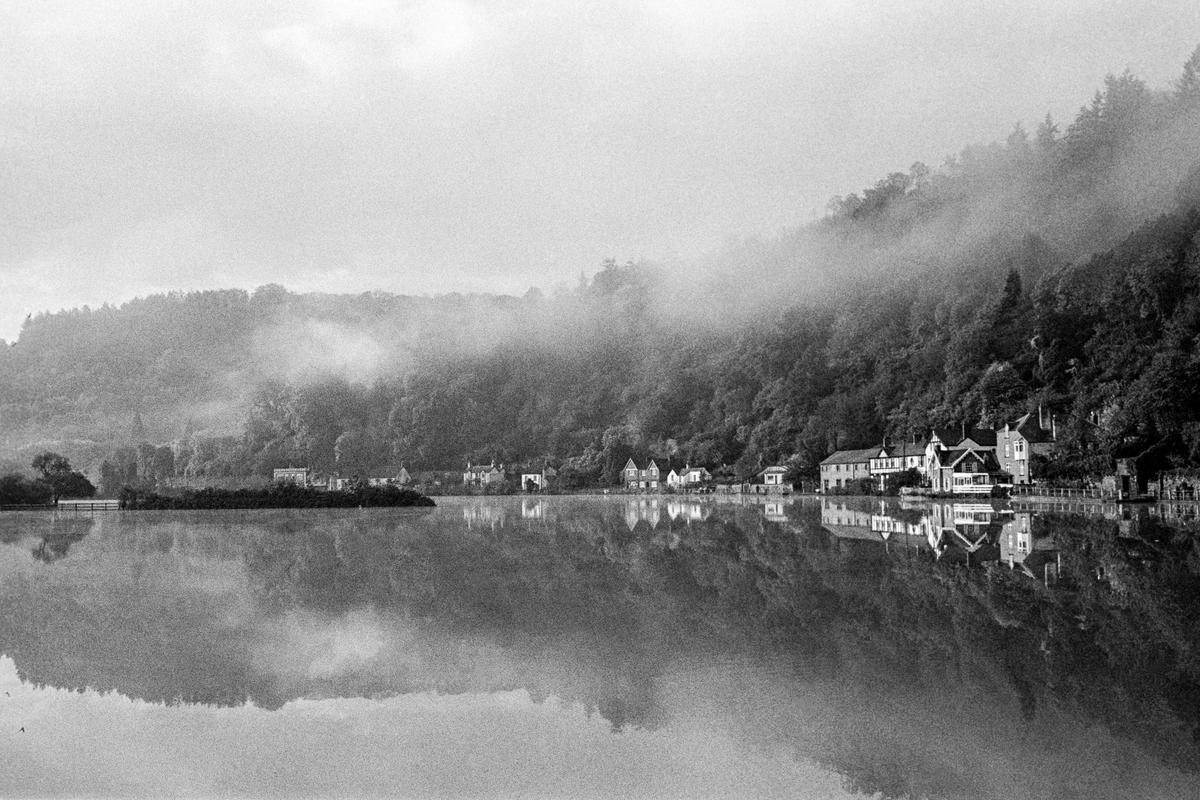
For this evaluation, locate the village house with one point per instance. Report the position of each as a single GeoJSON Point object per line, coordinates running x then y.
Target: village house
{"type": "Point", "coordinates": [767, 481]}
{"type": "Point", "coordinates": [965, 470]}
{"type": "Point", "coordinates": [693, 477]}
{"type": "Point", "coordinates": [1018, 441]}
{"type": "Point", "coordinates": [845, 468]}
{"type": "Point", "coordinates": [896, 458]}
{"type": "Point", "coordinates": [301, 476]}
{"type": "Point", "coordinates": [635, 477]}
{"type": "Point", "coordinates": [943, 439]}
{"type": "Point", "coordinates": [482, 475]}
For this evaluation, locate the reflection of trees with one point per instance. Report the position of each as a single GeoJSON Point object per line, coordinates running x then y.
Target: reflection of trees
{"type": "Point", "coordinates": [621, 607]}
{"type": "Point", "coordinates": [62, 533]}
{"type": "Point", "coordinates": [1121, 650]}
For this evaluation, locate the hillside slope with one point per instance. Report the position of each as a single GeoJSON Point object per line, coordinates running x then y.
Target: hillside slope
{"type": "Point", "coordinates": [1057, 269]}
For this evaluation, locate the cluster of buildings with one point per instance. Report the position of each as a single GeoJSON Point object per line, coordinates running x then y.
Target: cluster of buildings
{"type": "Point", "coordinates": [971, 462]}
{"type": "Point", "coordinates": [481, 476]}
{"type": "Point", "coordinates": [650, 477]}
{"type": "Point", "coordinates": [303, 476]}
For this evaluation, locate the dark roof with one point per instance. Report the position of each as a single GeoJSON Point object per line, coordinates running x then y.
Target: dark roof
{"type": "Point", "coordinates": [948, 458]}
{"type": "Point", "coordinates": [904, 449]}
{"type": "Point", "coordinates": [852, 456]}
{"type": "Point", "coordinates": [947, 436]}
{"type": "Point", "coordinates": [980, 436]}
{"type": "Point", "coordinates": [1030, 429]}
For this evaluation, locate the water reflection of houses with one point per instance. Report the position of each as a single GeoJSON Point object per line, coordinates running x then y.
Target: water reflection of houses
{"type": "Point", "coordinates": [682, 511]}
{"type": "Point", "coordinates": [484, 515]}
{"type": "Point", "coordinates": [775, 512]}
{"type": "Point", "coordinates": [655, 512]}
{"type": "Point", "coordinates": [1022, 551]}
{"type": "Point", "coordinates": [846, 521]}
{"type": "Point", "coordinates": [647, 510]}
{"type": "Point", "coordinates": [964, 531]}
{"type": "Point", "coordinates": [533, 509]}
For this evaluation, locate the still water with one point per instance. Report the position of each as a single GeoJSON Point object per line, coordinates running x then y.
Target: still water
{"type": "Point", "coordinates": [602, 647]}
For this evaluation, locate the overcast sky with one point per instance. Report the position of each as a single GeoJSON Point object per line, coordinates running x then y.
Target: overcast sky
{"type": "Point", "coordinates": [425, 147]}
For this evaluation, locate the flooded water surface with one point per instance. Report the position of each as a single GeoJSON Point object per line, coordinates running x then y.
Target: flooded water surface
{"type": "Point", "coordinates": [602, 647]}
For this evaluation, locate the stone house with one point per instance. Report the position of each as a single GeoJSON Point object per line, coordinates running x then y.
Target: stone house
{"type": "Point", "coordinates": [843, 469]}
{"type": "Point", "coordinates": [635, 477]}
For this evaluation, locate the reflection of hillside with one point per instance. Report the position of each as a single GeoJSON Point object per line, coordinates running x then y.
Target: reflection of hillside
{"type": "Point", "coordinates": [578, 604]}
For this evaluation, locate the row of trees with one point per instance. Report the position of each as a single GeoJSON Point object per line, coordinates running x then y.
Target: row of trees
{"type": "Point", "coordinates": [56, 479]}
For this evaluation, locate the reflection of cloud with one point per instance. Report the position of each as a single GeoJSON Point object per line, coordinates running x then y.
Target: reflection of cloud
{"type": "Point", "coordinates": [308, 646]}
{"type": "Point", "coordinates": [479, 745]}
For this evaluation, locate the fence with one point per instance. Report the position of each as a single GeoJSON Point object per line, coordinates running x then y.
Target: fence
{"type": "Point", "coordinates": [1050, 491]}
{"type": "Point", "coordinates": [89, 505]}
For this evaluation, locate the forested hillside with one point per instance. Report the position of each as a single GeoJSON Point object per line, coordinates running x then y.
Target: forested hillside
{"type": "Point", "coordinates": [1058, 269]}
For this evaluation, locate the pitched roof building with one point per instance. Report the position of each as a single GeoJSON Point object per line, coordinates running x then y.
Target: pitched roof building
{"type": "Point", "coordinates": [1018, 441]}
{"type": "Point", "coordinates": [635, 477]}
{"type": "Point", "coordinates": [482, 474]}
{"type": "Point", "coordinates": [844, 468]}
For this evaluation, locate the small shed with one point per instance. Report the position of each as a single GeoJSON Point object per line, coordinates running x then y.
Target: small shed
{"type": "Point", "coordinates": [773, 476]}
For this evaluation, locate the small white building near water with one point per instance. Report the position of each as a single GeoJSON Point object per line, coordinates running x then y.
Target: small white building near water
{"type": "Point", "coordinates": [301, 476]}
{"type": "Point", "coordinates": [773, 476]}
{"type": "Point", "coordinates": [533, 481]}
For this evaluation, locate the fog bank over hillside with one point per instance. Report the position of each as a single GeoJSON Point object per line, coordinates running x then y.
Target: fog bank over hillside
{"type": "Point", "coordinates": [911, 303]}
{"type": "Point", "coordinates": [485, 147]}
